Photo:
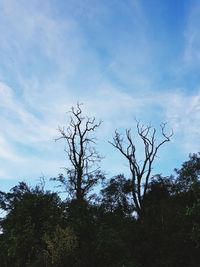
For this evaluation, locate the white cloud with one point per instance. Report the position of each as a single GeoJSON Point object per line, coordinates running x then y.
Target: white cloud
{"type": "Point", "coordinates": [116, 108]}
{"type": "Point", "coordinates": [7, 152]}
{"type": "Point", "coordinates": [49, 64]}
{"type": "Point", "coordinates": [6, 95]}
{"type": "Point", "coordinates": [183, 113]}
{"type": "Point", "coordinates": [191, 56]}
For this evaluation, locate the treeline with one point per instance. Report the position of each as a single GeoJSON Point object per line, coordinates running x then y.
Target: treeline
{"type": "Point", "coordinates": [136, 221]}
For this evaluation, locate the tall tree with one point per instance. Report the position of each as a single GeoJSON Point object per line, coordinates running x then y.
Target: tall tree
{"type": "Point", "coordinates": [31, 213]}
{"type": "Point", "coordinates": [189, 173]}
{"type": "Point", "coordinates": [84, 172]}
{"type": "Point", "coordinates": [140, 170]}
{"type": "Point", "coordinates": [116, 196]}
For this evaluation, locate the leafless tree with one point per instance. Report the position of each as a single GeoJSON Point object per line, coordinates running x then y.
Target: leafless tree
{"type": "Point", "coordinates": [84, 172]}
{"type": "Point", "coordinates": [140, 170]}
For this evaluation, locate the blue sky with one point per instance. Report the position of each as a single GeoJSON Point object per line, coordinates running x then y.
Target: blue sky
{"type": "Point", "coordinates": [122, 59]}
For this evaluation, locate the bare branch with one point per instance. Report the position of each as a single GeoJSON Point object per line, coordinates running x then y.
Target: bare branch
{"type": "Point", "coordinates": [140, 172]}
{"type": "Point", "coordinates": [81, 154]}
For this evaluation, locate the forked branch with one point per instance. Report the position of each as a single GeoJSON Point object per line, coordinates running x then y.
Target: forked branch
{"type": "Point", "coordinates": [140, 171]}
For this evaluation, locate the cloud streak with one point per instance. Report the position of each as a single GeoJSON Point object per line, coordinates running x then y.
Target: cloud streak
{"type": "Point", "coordinates": [53, 56]}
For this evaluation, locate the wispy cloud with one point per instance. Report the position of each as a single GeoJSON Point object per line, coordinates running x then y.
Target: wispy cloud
{"type": "Point", "coordinates": [192, 37]}
{"type": "Point", "coordinates": [183, 112]}
{"type": "Point", "coordinates": [53, 56]}
{"type": "Point", "coordinates": [6, 152]}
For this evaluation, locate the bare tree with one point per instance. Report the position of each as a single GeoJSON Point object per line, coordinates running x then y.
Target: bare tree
{"type": "Point", "coordinates": [140, 171]}
{"type": "Point", "coordinates": [84, 172]}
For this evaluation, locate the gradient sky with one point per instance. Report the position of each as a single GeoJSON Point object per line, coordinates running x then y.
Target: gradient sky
{"type": "Point", "coordinates": [122, 59]}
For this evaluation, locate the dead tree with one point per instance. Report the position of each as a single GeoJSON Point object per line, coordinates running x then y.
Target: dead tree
{"type": "Point", "coordinates": [140, 171]}
{"type": "Point", "coordinates": [84, 173]}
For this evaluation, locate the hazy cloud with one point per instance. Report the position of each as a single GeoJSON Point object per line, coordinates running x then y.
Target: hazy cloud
{"type": "Point", "coordinates": [53, 56]}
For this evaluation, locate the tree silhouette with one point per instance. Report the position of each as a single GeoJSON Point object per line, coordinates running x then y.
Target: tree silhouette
{"type": "Point", "coordinates": [140, 171]}
{"type": "Point", "coordinates": [84, 172]}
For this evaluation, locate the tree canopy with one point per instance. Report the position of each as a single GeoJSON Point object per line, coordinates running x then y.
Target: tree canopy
{"type": "Point", "coordinates": [137, 221]}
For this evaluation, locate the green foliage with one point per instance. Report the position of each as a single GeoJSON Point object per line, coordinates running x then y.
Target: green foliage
{"type": "Point", "coordinates": [32, 213]}
{"type": "Point", "coordinates": [116, 195]}
{"type": "Point", "coordinates": [41, 230]}
{"type": "Point", "coordinates": [193, 212]}
{"type": "Point", "coordinates": [189, 174]}
{"type": "Point", "coordinates": [60, 248]}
